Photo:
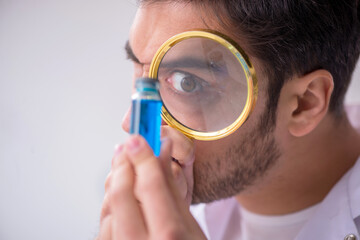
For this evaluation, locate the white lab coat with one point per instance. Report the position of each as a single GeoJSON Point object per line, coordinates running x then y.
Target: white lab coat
{"type": "Point", "coordinates": [336, 218]}
{"type": "Point", "coordinates": [339, 214]}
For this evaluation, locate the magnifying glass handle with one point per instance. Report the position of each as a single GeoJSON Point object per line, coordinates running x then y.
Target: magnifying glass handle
{"type": "Point", "coordinates": [146, 112]}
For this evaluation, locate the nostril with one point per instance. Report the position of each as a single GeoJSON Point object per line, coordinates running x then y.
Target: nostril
{"type": "Point", "coordinates": [176, 161]}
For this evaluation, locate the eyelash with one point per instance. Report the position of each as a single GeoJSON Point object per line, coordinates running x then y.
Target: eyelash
{"type": "Point", "coordinates": [199, 81]}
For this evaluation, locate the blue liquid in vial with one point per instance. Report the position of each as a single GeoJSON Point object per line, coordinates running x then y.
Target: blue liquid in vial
{"type": "Point", "coordinates": [146, 121]}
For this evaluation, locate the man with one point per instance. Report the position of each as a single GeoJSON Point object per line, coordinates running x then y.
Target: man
{"type": "Point", "coordinates": [291, 171]}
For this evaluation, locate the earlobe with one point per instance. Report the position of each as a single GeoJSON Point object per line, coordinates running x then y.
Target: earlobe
{"type": "Point", "coordinates": [311, 94]}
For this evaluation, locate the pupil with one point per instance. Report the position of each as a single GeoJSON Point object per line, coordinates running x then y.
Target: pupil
{"type": "Point", "coordinates": [188, 84]}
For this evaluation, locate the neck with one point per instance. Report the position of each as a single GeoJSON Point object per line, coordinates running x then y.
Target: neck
{"type": "Point", "coordinates": [307, 170]}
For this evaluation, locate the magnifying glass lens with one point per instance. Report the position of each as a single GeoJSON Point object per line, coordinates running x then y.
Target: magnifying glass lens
{"type": "Point", "coordinates": [202, 84]}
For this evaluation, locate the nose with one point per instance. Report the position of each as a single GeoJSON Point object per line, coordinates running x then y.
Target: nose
{"type": "Point", "coordinates": [126, 121]}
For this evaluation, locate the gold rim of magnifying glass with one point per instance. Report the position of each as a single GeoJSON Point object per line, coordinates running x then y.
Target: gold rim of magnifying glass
{"type": "Point", "coordinates": [249, 73]}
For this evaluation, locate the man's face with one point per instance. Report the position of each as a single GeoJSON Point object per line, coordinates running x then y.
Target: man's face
{"type": "Point", "coordinates": [224, 167]}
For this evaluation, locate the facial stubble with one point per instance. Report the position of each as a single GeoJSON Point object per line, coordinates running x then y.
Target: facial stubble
{"type": "Point", "coordinates": [244, 162]}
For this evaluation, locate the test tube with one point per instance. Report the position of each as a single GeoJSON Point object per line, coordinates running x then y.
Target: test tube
{"type": "Point", "coordinates": [146, 112]}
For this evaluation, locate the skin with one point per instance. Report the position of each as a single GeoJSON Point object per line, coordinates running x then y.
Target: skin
{"type": "Point", "coordinates": [279, 169]}
{"type": "Point", "coordinates": [218, 163]}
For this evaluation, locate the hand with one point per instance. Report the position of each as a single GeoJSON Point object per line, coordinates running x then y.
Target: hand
{"type": "Point", "coordinates": [143, 199]}
{"type": "Point", "coordinates": [183, 156]}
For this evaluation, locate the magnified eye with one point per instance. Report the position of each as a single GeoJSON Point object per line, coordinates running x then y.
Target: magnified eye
{"type": "Point", "coordinates": [184, 82]}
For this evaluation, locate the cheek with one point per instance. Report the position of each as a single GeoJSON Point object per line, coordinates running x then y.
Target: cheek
{"type": "Point", "coordinates": [206, 150]}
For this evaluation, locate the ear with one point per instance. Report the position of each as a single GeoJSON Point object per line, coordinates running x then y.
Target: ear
{"type": "Point", "coordinates": [309, 98]}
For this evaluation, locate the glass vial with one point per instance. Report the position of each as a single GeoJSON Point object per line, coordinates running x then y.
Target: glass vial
{"type": "Point", "coordinates": [146, 112]}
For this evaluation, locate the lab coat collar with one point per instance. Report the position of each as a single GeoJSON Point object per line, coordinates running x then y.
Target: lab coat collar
{"type": "Point", "coordinates": [354, 191]}
{"type": "Point", "coordinates": [338, 215]}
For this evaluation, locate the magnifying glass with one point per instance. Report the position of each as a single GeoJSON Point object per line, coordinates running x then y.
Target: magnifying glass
{"type": "Point", "coordinates": [207, 84]}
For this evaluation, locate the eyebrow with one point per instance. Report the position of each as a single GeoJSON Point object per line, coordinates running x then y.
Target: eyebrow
{"type": "Point", "coordinates": [190, 62]}
{"type": "Point", "coordinates": [130, 54]}
{"type": "Point", "coordinates": [184, 62]}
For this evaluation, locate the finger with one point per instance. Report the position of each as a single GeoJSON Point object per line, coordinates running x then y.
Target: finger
{"type": "Point", "coordinates": [105, 209]}
{"type": "Point", "coordinates": [114, 162]}
{"type": "Point", "coordinates": [118, 156]}
{"type": "Point", "coordinates": [165, 156]}
{"type": "Point", "coordinates": [105, 229]}
{"type": "Point", "coordinates": [181, 182]}
{"type": "Point", "coordinates": [127, 221]}
{"type": "Point", "coordinates": [184, 152]}
{"type": "Point", "coordinates": [183, 147]}
{"type": "Point", "coordinates": [126, 121]}
{"type": "Point", "coordinates": [158, 205]}
{"type": "Point", "coordinates": [160, 208]}
{"type": "Point", "coordinates": [107, 182]}
{"type": "Point", "coordinates": [174, 173]}
{"type": "Point", "coordinates": [174, 176]}
{"type": "Point", "coordinates": [164, 210]}
{"type": "Point", "coordinates": [179, 179]}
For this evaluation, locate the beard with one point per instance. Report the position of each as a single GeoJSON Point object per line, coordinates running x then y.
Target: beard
{"type": "Point", "coordinates": [239, 165]}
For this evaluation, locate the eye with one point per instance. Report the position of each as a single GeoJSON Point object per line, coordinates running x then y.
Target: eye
{"type": "Point", "coordinates": [184, 82]}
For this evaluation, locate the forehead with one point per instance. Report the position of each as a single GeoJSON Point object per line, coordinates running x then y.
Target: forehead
{"type": "Point", "coordinates": [155, 23]}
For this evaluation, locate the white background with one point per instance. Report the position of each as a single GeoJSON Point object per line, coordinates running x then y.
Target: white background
{"type": "Point", "coordinates": [64, 86]}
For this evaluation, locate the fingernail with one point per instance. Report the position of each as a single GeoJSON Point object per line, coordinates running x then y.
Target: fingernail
{"type": "Point", "coordinates": [134, 145]}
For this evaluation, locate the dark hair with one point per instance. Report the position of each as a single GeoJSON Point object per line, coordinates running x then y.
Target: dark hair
{"type": "Point", "coordinates": [294, 37]}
